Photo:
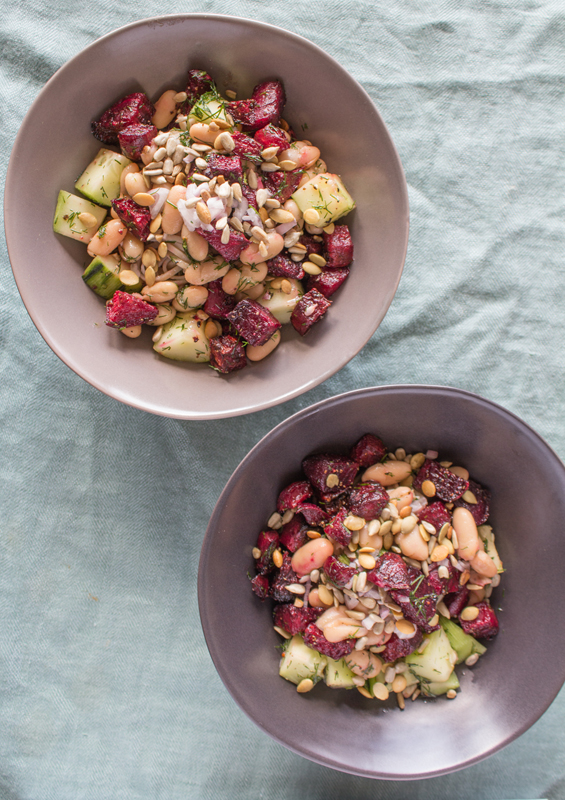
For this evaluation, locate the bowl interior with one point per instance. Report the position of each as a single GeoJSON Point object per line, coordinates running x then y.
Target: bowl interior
{"type": "Point", "coordinates": [152, 55]}
{"type": "Point", "coordinates": [499, 700]}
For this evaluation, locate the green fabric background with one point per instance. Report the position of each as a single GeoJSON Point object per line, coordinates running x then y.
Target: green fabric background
{"type": "Point", "coordinates": [107, 691]}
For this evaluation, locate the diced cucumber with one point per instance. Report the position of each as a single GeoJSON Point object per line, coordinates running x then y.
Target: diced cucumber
{"type": "Point", "coordinates": [327, 195]}
{"type": "Point", "coordinates": [183, 339]}
{"type": "Point", "coordinates": [487, 536]}
{"type": "Point", "coordinates": [299, 661]}
{"type": "Point", "coordinates": [280, 304]}
{"type": "Point", "coordinates": [338, 675]}
{"type": "Point", "coordinates": [209, 107]}
{"type": "Point", "coordinates": [102, 276]}
{"type": "Point", "coordinates": [438, 659]}
{"type": "Point", "coordinates": [66, 221]}
{"type": "Point", "coordinates": [463, 644]}
{"type": "Point", "coordinates": [435, 688]}
{"type": "Point", "coordinates": [100, 181]}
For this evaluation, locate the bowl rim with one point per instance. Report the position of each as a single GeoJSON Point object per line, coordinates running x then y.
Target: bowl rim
{"type": "Point", "coordinates": [236, 693]}
{"type": "Point", "coordinates": [80, 367]}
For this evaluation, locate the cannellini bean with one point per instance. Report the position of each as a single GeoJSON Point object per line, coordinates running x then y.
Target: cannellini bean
{"type": "Point", "coordinates": [403, 495]}
{"type": "Point", "coordinates": [171, 220]}
{"type": "Point", "coordinates": [202, 133]}
{"type": "Point", "coordinates": [484, 565]}
{"type": "Point", "coordinates": [467, 534]}
{"type": "Point", "coordinates": [376, 639]}
{"type": "Point", "coordinates": [254, 273]}
{"type": "Point", "coordinates": [258, 352]}
{"type": "Point", "coordinates": [131, 169]}
{"type": "Point", "coordinates": [412, 545]}
{"type": "Point", "coordinates": [291, 206]}
{"type": "Point", "coordinates": [230, 281]}
{"type": "Point", "coordinates": [303, 155]}
{"type": "Point", "coordinates": [160, 292]}
{"type": "Point", "coordinates": [135, 183]}
{"type": "Point", "coordinates": [107, 238]}
{"type": "Point", "coordinates": [132, 246]}
{"type": "Point", "coordinates": [211, 270]}
{"type": "Point", "coordinates": [196, 245]}
{"type": "Point", "coordinates": [165, 314]}
{"type": "Point", "coordinates": [147, 155]}
{"type": "Point", "coordinates": [274, 245]}
{"type": "Point", "coordinates": [314, 599]}
{"type": "Point", "coordinates": [251, 292]}
{"type": "Point", "coordinates": [364, 663]}
{"type": "Point", "coordinates": [190, 297]}
{"type": "Point", "coordinates": [132, 332]}
{"type": "Point", "coordinates": [165, 109]}
{"type": "Point", "coordinates": [311, 555]}
{"type": "Point", "coordinates": [340, 629]}
{"type": "Point", "coordinates": [387, 473]}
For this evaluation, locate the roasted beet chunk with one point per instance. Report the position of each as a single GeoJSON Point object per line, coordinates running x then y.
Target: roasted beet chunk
{"type": "Point", "coordinates": [293, 534]}
{"type": "Point", "coordinates": [328, 282]}
{"type": "Point", "coordinates": [125, 311]}
{"type": "Point", "coordinates": [267, 543]}
{"type": "Point", "coordinates": [228, 166]}
{"type": "Point", "coordinates": [481, 509]}
{"type": "Point", "coordinates": [134, 138]}
{"type": "Point", "coordinates": [369, 450]}
{"type": "Point", "coordinates": [282, 267]}
{"type": "Point", "coordinates": [135, 109]}
{"type": "Point", "coordinates": [282, 184]}
{"type": "Point", "coordinates": [227, 354]}
{"type": "Point", "coordinates": [136, 218]}
{"type": "Point", "coordinates": [311, 244]}
{"type": "Point", "coordinates": [271, 136]}
{"type": "Point", "coordinates": [485, 626]}
{"type": "Point", "coordinates": [457, 601]}
{"type": "Point", "coordinates": [246, 147]}
{"type": "Point", "coordinates": [320, 468]}
{"type": "Point", "coordinates": [292, 495]}
{"type": "Point", "coordinates": [230, 250]}
{"type": "Point", "coordinates": [314, 515]}
{"type": "Point", "coordinates": [400, 648]}
{"type": "Point", "coordinates": [333, 503]}
{"type": "Point", "coordinates": [283, 577]}
{"type": "Point", "coordinates": [367, 500]}
{"type": "Point", "coordinates": [294, 620]}
{"type": "Point", "coordinates": [336, 530]}
{"type": "Point", "coordinates": [419, 603]}
{"type": "Point", "coordinates": [218, 304]}
{"type": "Point", "coordinates": [265, 106]}
{"type": "Point", "coordinates": [314, 638]}
{"type": "Point", "coordinates": [199, 82]}
{"type": "Point", "coordinates": [310, 308]}
{"type": "Point", "coordinates": [260, 585]}
{"type": "Point", "coordinates": [449, 487]}
{"type": "Point", "coordinates": [338, 247]}
{"type": "Point", "coordinates": [444, 585]}
{"type": "Point", "coordinates": [436, 514]}
{"type": "Point", "coordinates": [338, 573]}
{"type": "Point", "coordinates": [390, 572]}
{"type": "Point", "coordinates": [254, 323]}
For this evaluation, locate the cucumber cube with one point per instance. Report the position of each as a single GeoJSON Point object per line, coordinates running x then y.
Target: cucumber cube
{"type": "Point", "coordinates": [437, 661]}
{"type": "Point", "coordinates": [183, 339]}
{"type": "Point", "coordinates": [463, 644]}
{"type": "Point", "coordinates": [102, 276]}
{"type": "Point", "coordinates": [67, 222]}
{"type": "Point", "coordinates": [338, 675]}
{"type": "Point", "coordinates": [327, 195]}
{"type": "Point", "coordinates": [299, 662]}
{"type": "Point", "coordinates": [100, 181]}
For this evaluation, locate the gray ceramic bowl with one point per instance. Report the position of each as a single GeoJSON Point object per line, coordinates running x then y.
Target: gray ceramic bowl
{"type": "Point", "coordinates": [153, 55]}
{"type": "Point", "coordinates": [501, 696]}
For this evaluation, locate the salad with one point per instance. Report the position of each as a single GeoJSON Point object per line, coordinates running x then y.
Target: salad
{"type": "Point", "coordinates": [381, 566]}
{"type": "Point", "coordinates": [214, 223]}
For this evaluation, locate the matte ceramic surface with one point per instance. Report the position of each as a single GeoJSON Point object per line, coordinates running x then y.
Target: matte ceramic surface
{"type": "Point", "coordinates": [153, 55]}
{"type": "Point", "coordinates": [500, 697]}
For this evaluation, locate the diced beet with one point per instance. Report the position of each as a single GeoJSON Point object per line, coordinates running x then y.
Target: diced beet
{"type": "Point", "coordinates": [328, 282]}
{"type": "Point", "coordinates": [292, 495]}
{"type": "Point", "coordinates": [481, 509]}
{"type": "Point", "coordinates": [282, 267]}
{"type": "Point", "coordinates": [293, 534]}
{"type": "Point", "coordinates": [310, 308]}
{"type": "Point", "coordinates": [135, 109]}
{"type": "Point", "coordinates": [271, 136]}
{"type": "Point", "coordinates": [320, 467]}
{"type": "Point", "coordinates": [260, 585]}
{"type": "Point", "coordinates": [333, 503]}
{"type": "Point", "coordinates": [136, 218]}
{"type": "Point", "coordinates": [134, 138]}
{"type": "Point", "coordinates": [367, 500]}
{"type": "Point", "coordinates": [338, 573]}
{"type": "Point", "coordinates": [369, 450]}
{"type": "Point", "coordinates": [314, 515]}
{"type": "Point", "coordinates": [435, 513]}
{"type": "Point", "coordinates": [282, 578]}
{"type": "Point", "coordinates": [254, 323]}
{"type": "Point", "coordinates": [338, 247]}
{"type": "Point", "coordinates": [246, 147]}
{"type": "Point", "coordinates": [449, 487]}
{"type": "Point", "coordinates": [282, 184]}
{"type": "Point", "coordinates": [456, 601]}
{"type": "Point", "coordinates": [125, 311]}
{"type": "Point", "coordinates": [419, 604]}
{"type": "Point", "coordinates": [400, 648]}
{"type": "Point", "coordinates": [228, 166]}
{"type": "Point", "coordinates": [314, 638]}
{"type": "Point", "coordinates": [249, 194]}
{"type": "Point", "coordinates": [336, 530]}
{"type": "Point", "coordinates": [485, 626]}
{"type": "Point", "coordinates": [218, 304]}
{"type": "Point", "coordinates": [232, 249]}
{"type": "Point", "coordinates": [311, 244]}
{"type": "Point", "coordinates": [227, 354]}
{"type": "Point", "coordinates": [444, 585]}
{"type": "Point", "coordinates": [390, 572]}
{"type": "Point", "coordinates": [294, 620]}
{"type": "Point", "coordinates": [267, 543]}
{"type": "Point", "coordinates": [199, 82]}
{"type": "Point", "coordinates": [265, 106]}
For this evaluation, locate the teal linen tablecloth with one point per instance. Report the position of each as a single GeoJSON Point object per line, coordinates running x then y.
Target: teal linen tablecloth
{"type": "Point", "coordinates": [107, 691]}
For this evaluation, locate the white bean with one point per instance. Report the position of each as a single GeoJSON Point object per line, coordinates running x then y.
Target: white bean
{"type": "Point", "coordinates": [165, 109]}
{"type": "Point", "coordinates": [258, 352]}
{"type": "Point", "coordinates": [107, 238]}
